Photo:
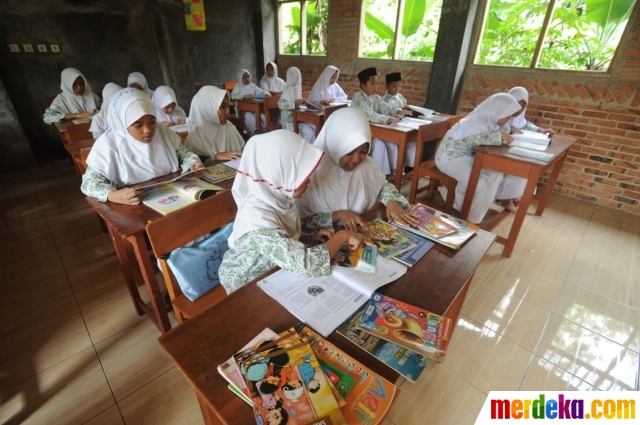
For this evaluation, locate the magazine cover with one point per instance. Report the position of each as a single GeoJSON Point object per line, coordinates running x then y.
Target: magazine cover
{"type": "Point", "coordinates": [412, 256]}
{"type": "Point", "coordinates": [218, 172]}
{"type": "Point", "coordinates": [404, 361]}
{"type": "Point", "coordinates": [363, 259]}
{"type": "Point", "coordinates": [286, 383]}
{"type": "Point", "coordinates": [370, 396]}
{"type": "Point", "coordinates": [411, 327]}
{"type": "Point", "coordinates": [389, 241]}
{"type": "Point", "coordinates": [431, 222]}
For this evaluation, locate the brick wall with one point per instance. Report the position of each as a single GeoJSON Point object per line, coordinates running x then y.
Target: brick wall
{"type": "Point", "coordinates": [602, 110]}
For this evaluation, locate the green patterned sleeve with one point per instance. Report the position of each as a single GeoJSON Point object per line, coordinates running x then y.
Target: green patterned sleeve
{"type": "Point", "coordinates": [384, 108]}
{"type": "Point", "coordinates": [50, 116]}
{"type": "Point", "coordinates": [96, 185]}
{"type": "Point", "coordinates": [530, 126]}
{"type": "Point", "coordinates": [390, 193]}
{"type": "Point", "coordinates": [315, 222]}
{"type": "Point", "coordinates": [286, 104]}
{"type": "Point", "coordinates": [186, 158]}
{"type": "Point", "coordinates": [360, 102]}
{"type": "Point", "coordinates": [291, 255]}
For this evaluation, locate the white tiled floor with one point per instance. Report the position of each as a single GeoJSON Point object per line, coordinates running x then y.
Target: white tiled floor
{"type": "Point", "coordinates": [561, 314]}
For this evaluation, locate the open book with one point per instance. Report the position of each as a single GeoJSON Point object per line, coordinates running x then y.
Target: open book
{"type": "Point", "coordinates": [181, 128]}
{"type": "Point", "coordinates": [313, 106]}
{"type": "Point", "coordinates": [213, 174]}
{"type": "Point", "coordinates": [325, 302]}
{"type": "Point", "coordinates": [82, 120]}
{"type": "Point", "coordinates": [421, 111]}
{"type": "Point", "coordinates": [531, 140]}
{"type": "Point", "coordinates": [533, 154]}
{"type": "Point", "coordinates": [178, 194]}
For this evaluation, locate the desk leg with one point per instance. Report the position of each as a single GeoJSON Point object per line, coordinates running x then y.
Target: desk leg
{"type": "Point", "coordinates": [295, 122]}
{"type": "Point", "coordinates": [240, 117]}
{"type": "Point", "coordinates": [258, 122]}
{"type": "Point", "coordinates": [161, 319]}
{"type": "Point", "coordinates": [319, 125]}
{"type": "Point", "coordinates": [532, 181]}
{"type": "Point", "coordinates": [471, 186]}
{"type": "Point", "coordinates": [550, 184]}
{"type": "Point", "coordinates": [209, 416]}
{"type": "Point", "coordinates": [402, 148]}
{"type": "Point", "coordinates": [125, 265]}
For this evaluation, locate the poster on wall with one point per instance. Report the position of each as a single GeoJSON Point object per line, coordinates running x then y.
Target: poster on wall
{"type": "Point", "coordinates": [194, 15]}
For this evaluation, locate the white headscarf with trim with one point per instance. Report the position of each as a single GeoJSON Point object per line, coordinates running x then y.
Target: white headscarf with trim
{"type": "Point", "coordinates": [68, 102]}
{"type": "Point", "coordinates": [331, 188]}
{"type": "Point", "coordinates": [273, 166]}
{"type": "Point", "coordinates": [274, 83]}
{"type": "Point", "coordinates": [138, 78]}
{"type": "Point", "coordinates": [207, 136]}
{"type": "Point", "coordinates": [99, 121]}
{"type": "Point", "coordinates": [519, 93]}
{"type": "Point", "coordinates": [121, 158]}
{"type": "Point", "coordinates": [484, 119]}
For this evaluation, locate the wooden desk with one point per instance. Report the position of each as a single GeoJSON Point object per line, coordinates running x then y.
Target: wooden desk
{"type": "Point", "coordinates": [438, 283]}
{"type": "Point", "coordinates": [496, 158]}
{"type": "Point", "coordinates": [61, 126]}
{"type": "Point", "coordinates": [401, 136]}
{"type": "Point", "coordinates": [74, 149]}
{"type": "Point", "coordinates": [127, 226]}
{"type": "Point", "coordinates": [316, 118]}
{"type": "Point", "coordinates": [255, 106]}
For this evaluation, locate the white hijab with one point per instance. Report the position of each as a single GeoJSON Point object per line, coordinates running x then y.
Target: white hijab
{"type": "Point", "coordinates": [484, 119]}
{"type": "Point", "coordinates": [293, 89]}
{"type": "Point", "coordinates": [68, 102]}
{"type": "Point", "coordinates": [274, 83]}
{"type": "Point", "coordinates": [322, 89]}
{"type": "Point", "coordinates": [99, 121]}
{"type": "Point", "coordinates": [121, 158]}
{"type": "Point", "coordinates": [138, 78]}
{"type": "Point", "coordinates": [163, 97]}
{"type": "Point", "coordinates": [331, 188]}
{"type": "Point", "coordinates": [519, 93]}
{"type": "Point", "coordinates": [243, 89]}
{"type": "Point", "coordinates": [272, 167]}
{"type": "Point", "coordinates": [207, 136]}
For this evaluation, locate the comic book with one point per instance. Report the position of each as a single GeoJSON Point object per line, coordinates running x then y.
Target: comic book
{"type": "Point", "coordinates": [369, 397]}
{"type": "Point", "coordinates": [363, 259]}
{"type": "Point", "coordinates": [286, 383]}
{"type": "Point", "coordinates": [406, 325]}
{"type": "Point", "coordinates": [404, 361]}
{"type": "Point", "coordinates": [389, 241]}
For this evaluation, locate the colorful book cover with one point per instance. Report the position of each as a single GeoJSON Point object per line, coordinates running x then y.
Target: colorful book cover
{"type": "Point", "coordinates": [370, 397]}
{"type": "Point", "coordinates": [406, 325]}
{"type": "Point", "coordinates": [389, 241]}
{"type": "Point", "coordinates": [286, 383]}
{"type": "Point", "coordinates": [363, 259]}
{"type": "Point", "coordinates": [217, 173]}
{"type": "Point", "coordinates": [457, 239]}
{"type": "Point", "coordinates": [412, 256]}
{"type": "Point", "coordinates": [430, 221]}
{"type": "Point", "coordinates": [404, 361]}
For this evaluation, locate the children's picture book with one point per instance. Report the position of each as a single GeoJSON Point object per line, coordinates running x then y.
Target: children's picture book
{"type": "Point", "coordinates": [363, 259]}
{"type": "Point", "coordinates": [217, 173]}
{"type": "Point", "coordinates": [286, 383]}
{"type": "Point", "coordinates": [540, 156]}
{"type": "Point", "coordinates": [404, 361]}
{"type": "Point", "coordinates": [430, 222]}
{"type": "Point", "coordinates": [411, 257]}
{"type": "Point", "coordinates": [178, 194]}
{"type": "Point", "coordinates": [386, 237]}
{"type": "Point", "coordinates": [181, 128]}
{"type": "Point", "coordinates": [325, 302]}
{"type": "Point", "coordinates": [406, 325]}
{"type": "Point", "coordinates": [368, 395]}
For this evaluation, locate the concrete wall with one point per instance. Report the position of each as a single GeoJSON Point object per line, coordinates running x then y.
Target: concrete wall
{"type": "Point", "coordinates": [13, 142]}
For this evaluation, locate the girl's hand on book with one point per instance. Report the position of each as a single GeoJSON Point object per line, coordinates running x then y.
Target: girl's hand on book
{"type": "Point", "coordinates": [349, 219]}
{"type": "Point", "coordinates": [181, 121]}
{"type": "Point", "coordinates": [515, 130]}
{"type": "Point", "coordinates": [248, 97]}
{"type": "Point", "coordinates": [323, 235]}
{"type": "Point", "coordinates": [397, 213]}
{"type": "Point", "coordinates": [351, 239]}
{"type": "Point", "coordinates": [325, 102]}
{"type": "Point", "coordinates": [506, 137]}
{"type": "Point", "coordinates": [299, 101]}
{"type": "Point", "coordinates": [547, 131]}
{"type": "Point", "coordinates": [166, 123]}
{"type": "Point", "coordinates": [127, 196]}
{"type": "Point", "coordinates": [197, 166]}
{"type": "Point", "coordinates": [228, 156]}
{"type": "Point", "coordinates": [392, 121]}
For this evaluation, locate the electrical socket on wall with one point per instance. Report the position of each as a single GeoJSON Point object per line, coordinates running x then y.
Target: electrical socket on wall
{"type": "Point", "coordinates": [14, 48]}
{"type": "Point", "coordinates": [42, 48]}
{"type": "Point", "coordinates": [55, 48]}
{"type": "Point", "coordinates": [27, 48]}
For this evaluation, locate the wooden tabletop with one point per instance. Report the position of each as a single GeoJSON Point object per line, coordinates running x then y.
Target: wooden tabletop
{"type": "Point", "coordinates": [199, 345]}
{"type": "Point", "coordinates": [75, 147]}
{"type": "Point", "coordinates": [559, 144]}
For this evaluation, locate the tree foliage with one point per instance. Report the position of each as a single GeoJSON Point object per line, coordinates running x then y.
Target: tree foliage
{"type": "Point", "coordinates": [317, 17]}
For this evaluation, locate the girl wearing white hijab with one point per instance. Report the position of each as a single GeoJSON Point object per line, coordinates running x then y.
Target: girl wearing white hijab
{"type": "Point", "coordinates": [347, 181]}
{"type": "Point", "coordinates": [246, 90]}
{"type": "Point", "coordinates": [168, 112]}
{"type": "Point", "coordinates": [512, 187]}
{"type": "Point", "coordinates": [291, 97]}
{"type": "Point", "coordinates": [133, 150]}
{"type": "Point", "coordinates": [273, 172]}
{"type": "Point", "coordinates": [138, 81]}
{"type": "Point", "coordinates": [270, 80]}
{"type": "Point", "coordinates": [211, 133]}
{"type": "Point", "coordinates": [76, 100]}
{"type": "Point", "coordinates": [99, 121]}
{"type": "Point", "coordinates": [325, 91]}
{"type": "Point", "coordinates": [455, 153]}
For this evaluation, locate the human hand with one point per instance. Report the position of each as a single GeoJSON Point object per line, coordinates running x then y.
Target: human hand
{"type": "Point", "coordinates": [127, 196]}
{"type": "Point", "coordinates": [322, 235]}
{"type": "Point", "coordinates": [397, 213]}
{"type": "Point", "coordinates": [507, 138]}
{"type": "Point", "coordinates": [181, 121]}
{"type": "Point", "coordinates": [404, 112]}
{"type": "Point", "coordinates": [228, 156]}
{"type": "Point", "coordinates": [85, 114]}
{"type": "Point", "coordinates": [166, 123]}
{"type": "Point", "coordinates": [352, 240]}
{"type": "Point", "coordinates": [392, 121]}
{"type": "Point", "coordinates": [350, 220]}
{"type": "Point", "coordinates": [515, 130]}
{"type": "Point", "coordinates": [197, 166]}
{"type": "Point", "coordinates": [547, 131]}
{"type": "Point", "coordinates": [248, 97]}
{"type": "Point", "coordinates": [267, 94]}
{"type": "Point", "coordinates": [300, 101]}
{"type": "Point", "coordinates": [325, 102]}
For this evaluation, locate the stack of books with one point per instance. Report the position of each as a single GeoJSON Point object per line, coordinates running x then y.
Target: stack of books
{"type": "Point", "coordinates": [297, 377]}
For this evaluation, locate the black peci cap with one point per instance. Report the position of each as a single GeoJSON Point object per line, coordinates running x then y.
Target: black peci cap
{"type": "Point", "coordinates": [364, 75]}
{"type": "Point", "coordinates": [393, 76]}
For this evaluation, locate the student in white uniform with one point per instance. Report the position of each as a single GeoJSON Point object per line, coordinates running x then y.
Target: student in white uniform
{"type": "Point", "coordinates": [168, 112]}
{"type": "Point", "coordinates": [291, 97]}
{"type": "Point", "coordinates": [246, 90]}
{"type": "Point", "coordinates": [455, 153]}
{"type": "Point", "coordinates": [99, 121]}
{"type": "Point", "coordinates": [325, 91]}
{"type": "Point", "coordinates": [139, 81]}
{"type": "Point", "coordinates": [76, 101]}
{"type": "Point", "coordinates": [270, 80]}
{"type": "Point", "coordinates": [393, 82]}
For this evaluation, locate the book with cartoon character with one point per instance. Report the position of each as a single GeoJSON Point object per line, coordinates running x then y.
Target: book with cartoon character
{"type": "Point", "coordinates": [286, 383]}
{"type": "Point", "coordinates": [406, 325]}
{"type": "Point", "coordinates": [363, 259]}
{"type": "Point", "coordinates": [368, 395]}
{"type": "Point", "coordinates": [178, 194]}
{"type": "Point", "coordinates": [404, 361]}
{"type": "Point", "coordinates": [386, 237]}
